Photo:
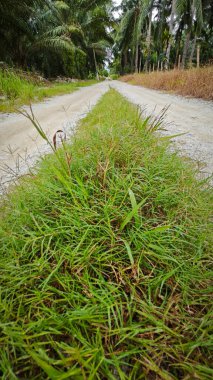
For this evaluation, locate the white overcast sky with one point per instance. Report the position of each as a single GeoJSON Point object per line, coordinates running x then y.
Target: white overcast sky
{"type": "Point", "coordinates": [117, 2]}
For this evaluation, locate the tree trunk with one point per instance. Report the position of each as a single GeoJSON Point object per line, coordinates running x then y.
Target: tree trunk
{"type": "Point", "coordinates": [139, 59]}
{"type": "Point", "coordinates": [96, 67]}
{"type": "Point", "coordinates": [192, 52]}
{"type": "Point", "coordinates": [136, 58]}
{"type": "Point", "coordinates": [185, 48]}
{"type": "Point", "coordinates": [148, 41]}
{"type": "Point", "coordinates": [171, 28]}
{"type": "Point", "coordinates": [132, 61]}
{"type": "Point", "coordinates": [198, 55]}
{"type": "Point", "coordinates": [178, 40]}
{"type": "Point", "coordinates": [179, 60]}
{"type": "Point", "coordinates": [125, 59]}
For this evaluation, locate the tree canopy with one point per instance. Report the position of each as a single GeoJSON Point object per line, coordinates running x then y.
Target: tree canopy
{"type": "Point", "coordinates": [163, 34]}
{"type": "Point", "coordinates": [68, 37]}
{"type": "Point", "coordinates": [73, 37]}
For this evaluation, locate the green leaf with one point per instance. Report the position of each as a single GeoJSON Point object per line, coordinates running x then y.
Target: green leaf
{"type": "Point", "coordinates": [129, 252]}
{"type": "Point", "coordinates": [47, 368]}
{"type": "Point", "coordinates": [134, 211]}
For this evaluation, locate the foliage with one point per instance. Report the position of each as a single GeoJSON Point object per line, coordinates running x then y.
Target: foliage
{"type": "Point", "coordinates": [55, 37]}
{"type": "Point", "coordinates": [114, 76]}
{"type": "Point", "coordinates": [105, 259]}
{"type": "Point", "coordinates": [162, 33]}
{"type": "Point", "coordinates": [12, 86]}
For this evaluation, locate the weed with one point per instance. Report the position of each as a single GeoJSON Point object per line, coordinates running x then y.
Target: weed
{"type": "Point", "coordinates": [105, 267]}
{"type": "Point", "coordinates": [16, 90]}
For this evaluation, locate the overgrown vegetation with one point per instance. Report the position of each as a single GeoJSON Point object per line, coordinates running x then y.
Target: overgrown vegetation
{"type": "Point", "coordinates": [196, 82]}
{"type": "Point", "coordinates": [163, 34]}
{"type": "Point", "coordinates": [105, 259]}
{"type": "Point", "coordinates": [17, 89]}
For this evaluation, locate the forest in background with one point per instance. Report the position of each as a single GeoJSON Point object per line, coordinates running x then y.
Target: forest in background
{"type": "Point", "coordinates": [77, 38]}
{"type": "Point", "coordinates": [67, 38]}
{"type": "Point", "coordinates": [163, 34]}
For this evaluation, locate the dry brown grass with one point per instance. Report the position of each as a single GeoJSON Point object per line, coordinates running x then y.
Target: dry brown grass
{"type": "Point", "coordinates": [194, 82]}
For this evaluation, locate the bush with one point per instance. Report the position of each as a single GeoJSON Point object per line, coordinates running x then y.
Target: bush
{"type": "Point", "coordinates": [114, 76]}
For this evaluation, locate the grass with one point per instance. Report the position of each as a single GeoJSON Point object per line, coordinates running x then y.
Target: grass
{"type": "Point", "coordinates": [194, 82]}
{"type": "Point", "coordinates": [16, 89]}
{"type": "Point", "coordinates": [106, 257]}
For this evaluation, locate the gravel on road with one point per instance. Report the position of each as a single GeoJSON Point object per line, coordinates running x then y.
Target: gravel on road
{"type": "Point", "coordinates": [191, 118]}
{"type": "Point", "coordinates": [20, 143]}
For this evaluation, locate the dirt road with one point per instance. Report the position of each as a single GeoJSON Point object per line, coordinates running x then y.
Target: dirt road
{"type": "Point", "coordinates": [193, 117]}
{"type": "Point", "coordinates": [20, 144]}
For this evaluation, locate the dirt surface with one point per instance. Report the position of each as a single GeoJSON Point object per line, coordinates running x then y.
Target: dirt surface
{"type": "Point", "coordinates": [20, 145]}
{"type": "Point", "coordinates": [193, 117]}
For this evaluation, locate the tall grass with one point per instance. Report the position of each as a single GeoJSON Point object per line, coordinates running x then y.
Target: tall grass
{"type": "Point", "coordinates": [12, 86]}
{"type": "Point", "coordinates": [105, 259]}
{"type": "Point", "coordinates": [194, 82]}
{"type": "Point", "coordinates": [17, 89]}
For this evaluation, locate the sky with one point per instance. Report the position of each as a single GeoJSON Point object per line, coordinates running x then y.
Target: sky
{"type": "Point", "coordinates": [117, 2]}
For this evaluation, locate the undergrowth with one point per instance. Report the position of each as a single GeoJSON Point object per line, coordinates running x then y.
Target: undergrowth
{"type": "Point", "coordinates": [16, 90]}
{"type": "Point", "coordinates": [194, 82]}
{"type": "Point", "coordinates": [105, 259]}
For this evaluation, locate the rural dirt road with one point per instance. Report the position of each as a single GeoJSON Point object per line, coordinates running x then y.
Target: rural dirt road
{"type": "Point", "coordinates": [20, 145]}
{"type": "Point", "coordinates": [193, 117]}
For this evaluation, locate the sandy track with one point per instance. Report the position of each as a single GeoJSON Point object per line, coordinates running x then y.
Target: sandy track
{"type": "Point", "coordinates": [194, 117]}
{"type": "Point", "coordinates": [20, 144]}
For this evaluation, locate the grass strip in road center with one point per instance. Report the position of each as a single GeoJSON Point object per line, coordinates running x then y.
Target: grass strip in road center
{"type": "Point", "coordinates": [105, 259]}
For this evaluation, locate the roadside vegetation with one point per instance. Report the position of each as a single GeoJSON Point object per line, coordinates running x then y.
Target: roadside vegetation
{"type": "Point", "coordinates": [17, 89]}
{"type": "Point", "coordinates": [163, 35]}
{"type": "Point", "coordinates": [194, 82]}
{"type": "Point", "coordinates": [68, 38]}
{"type": "Point", "coordinates": [105, 258]}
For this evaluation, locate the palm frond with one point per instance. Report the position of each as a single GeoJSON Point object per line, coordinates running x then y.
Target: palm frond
{"type": "Point", "coordinates": [145, 7]}
{"type": "Point", "coordinates": [61, 6]}
{"type": "Point", "coordinates": [56, 44]}
{"type": "Point", "coordinates": [181, 5]}
{"type": "Point", "coordinates": [124, 35]}
{"type": "Point", "coordinates": [197, 5]}
{"type": "Point", "coordinates": [60, 30]}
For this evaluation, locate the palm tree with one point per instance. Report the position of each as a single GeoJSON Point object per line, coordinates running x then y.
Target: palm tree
{"type": "Point", "coordinates": [171, 32]}
{"type": "Point", "coordinates": [191, 12]}
{"type": "Point", "coordinates": [50, 35]}
{"type": "Point", "coordinates": [95, 25]}
{"type": "Point", "coordinates": [15, 28]}
{"type": "Point", "coordinates": [130, 31]}
{"type": "Point", "coordinates": [148, 5]}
